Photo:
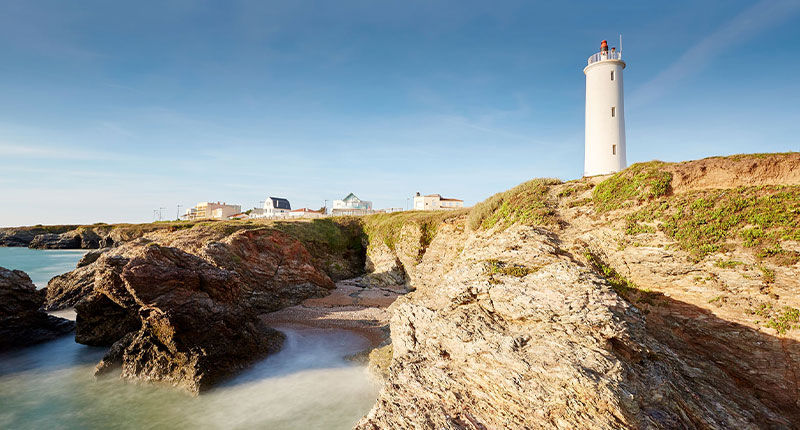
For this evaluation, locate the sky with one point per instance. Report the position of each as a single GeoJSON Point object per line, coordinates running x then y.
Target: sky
{"type": "Point", "coordinates": [111, 110]}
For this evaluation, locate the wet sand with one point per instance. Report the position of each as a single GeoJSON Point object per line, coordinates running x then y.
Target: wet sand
{"type": "Point", "coordinates": [350, 306]}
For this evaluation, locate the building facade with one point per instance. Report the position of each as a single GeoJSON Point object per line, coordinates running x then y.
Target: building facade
{"type": "Point", "coordinates": [306, 213]}
{"type": "Point", "coordinates": [351, 205]}
{"type": "Point", "coordinates": [210, 210]}
{"type": "Point", "coordinates": [276, 207]}
{"type": "Point", "coordinates": [605, 113]}
{"type": "Point", "coordinates": [435, 202]}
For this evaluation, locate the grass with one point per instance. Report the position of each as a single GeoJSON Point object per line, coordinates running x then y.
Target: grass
{"type": "Point", "coordinates": [497, 267]}
{"type": "Point", "coordinates": [728, 264]}
{"type": "Point", "coordinates": [705, 222]}
{"type": "Point", "coordinates": [782, 320]}
{"type": "Point", "coordinates": [388, 228]}
{"type": "Point", "coordinates": [335, 234]}
{"type": "Point", "coordinates": [768, 275]}
{"type": "Point", "coordinates": [637, 183]}
{"type": "Point", "coordinates": [527, 203]}
{"type": "Point", "coordinates": [623, 286]}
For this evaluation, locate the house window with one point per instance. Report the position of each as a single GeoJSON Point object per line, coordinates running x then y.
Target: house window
{"type": "Point", "coordinates": [613, 149]}
{"type": "Point", "coordinates": [613, 111]}
{"type": "Point", "coordinates": [612, 75]}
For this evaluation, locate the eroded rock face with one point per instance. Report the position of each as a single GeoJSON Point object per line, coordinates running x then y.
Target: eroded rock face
{"type": "Point", "coordinates": [276, 270]}
{"type": "Point", "coordinates": [194, 325]}
{"type": "Point", "coordinates": [67, 290]}
{"type": "Point", "coordinates": [22, 323]}
{"type": "Point", "coordinates": [544, 344]}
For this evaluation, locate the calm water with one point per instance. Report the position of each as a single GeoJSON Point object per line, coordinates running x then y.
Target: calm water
{"type": "Point", "coordinates": [308, 385]}
{"type": "Point", "coordinates": [40, 264]}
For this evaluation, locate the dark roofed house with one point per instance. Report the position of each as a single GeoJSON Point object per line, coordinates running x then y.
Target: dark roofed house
{"type": "Point", "coordinates": [276, 206]}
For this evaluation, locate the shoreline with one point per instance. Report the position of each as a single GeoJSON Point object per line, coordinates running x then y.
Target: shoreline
{"type": "Point", "coordinates": [350, 306]}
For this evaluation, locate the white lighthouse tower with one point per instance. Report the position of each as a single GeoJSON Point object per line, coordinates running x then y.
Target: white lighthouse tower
{"type": "Point", "coordinates": [605, 113]}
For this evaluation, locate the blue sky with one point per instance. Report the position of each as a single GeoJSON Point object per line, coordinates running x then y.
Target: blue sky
{"type": "Point", "coordinates": [108, 111]}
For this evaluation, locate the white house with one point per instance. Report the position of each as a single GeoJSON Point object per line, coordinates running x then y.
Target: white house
{"type": "Point", "coordinates": [276, 206]}
{"type": "Point", "coordinates": [351, 205]}
{"type": "Point", "coordinates": [605, 113]}
{"type": "Point", "coordinates": [435, 202]}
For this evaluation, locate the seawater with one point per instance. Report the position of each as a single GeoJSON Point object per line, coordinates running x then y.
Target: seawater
{"type": "Point", "coordinates": [40, 264]}
{"type": "Point", "coordinates": [307, 385]}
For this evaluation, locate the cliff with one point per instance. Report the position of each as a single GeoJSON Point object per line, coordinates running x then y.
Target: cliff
{"type": "Point", "coordinates": [664, 296]}
{"type": "Point", "coordinates": [182, 307]}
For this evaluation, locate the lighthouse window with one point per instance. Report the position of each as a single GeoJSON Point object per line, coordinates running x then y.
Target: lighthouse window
{"type": "Point", "coordinates": [613, 111]}
{"type": "Point", "coordinates": [612, 75]}
{"type": "Point", "coordinates": [613, 149]}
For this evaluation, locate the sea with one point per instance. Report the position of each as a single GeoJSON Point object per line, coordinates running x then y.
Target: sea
{"type": "Point", "coordinates": [309, 384]}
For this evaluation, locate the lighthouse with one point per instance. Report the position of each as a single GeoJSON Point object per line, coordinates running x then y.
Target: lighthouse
{"type": "Point", "coordinates": [605, 113]}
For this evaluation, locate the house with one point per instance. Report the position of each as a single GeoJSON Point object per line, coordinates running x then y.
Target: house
{"type": "Point", "coordinates": [239, 216]}
{"type": "Point", "coordinates": [276, 207]}
{"type": "Point", "coordinates": [351, 205]}
{"type": "Point", "coordinates": [306, 213]}
{"type": "Point", "coordinates": [435, 202]}
{"type": "Point", "coordinates": [210, 210]}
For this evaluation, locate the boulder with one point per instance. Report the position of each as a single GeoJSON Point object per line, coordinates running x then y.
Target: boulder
{"type": "Point", "coordinates": [22, 323]}
{"type": "Point", "coordinates": [187, 322]}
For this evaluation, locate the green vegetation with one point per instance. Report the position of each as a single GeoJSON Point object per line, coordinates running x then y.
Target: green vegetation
{"type": "Point", "coordinates": [387, 228]}
{"type": "Point", "coordinates": [728, 264]}
{"type": "Point", "coordinates": [497, 267]}
{"type": "Point", "coordinates": [579, 202]}
{"type": "Point", "coordinates": [704, 222]}
{"type": "Point", "coordinates": [623, 286]}
{"type": "Point", "coordinates": [768, 275]}
{"type": "Point", "coordinates": [782, 320]}
{"type": "Point", "coordinates": [527, 203]}
{"type": "Point", "coordinates": [335, 234]}
{"type": "Point", "coordinates": [637, 183]}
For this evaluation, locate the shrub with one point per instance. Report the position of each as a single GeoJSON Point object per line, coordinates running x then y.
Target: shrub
{"type": "Point", "coordinates": [527, 203]}
{"type": "Point", "coordinates": [637, 183]}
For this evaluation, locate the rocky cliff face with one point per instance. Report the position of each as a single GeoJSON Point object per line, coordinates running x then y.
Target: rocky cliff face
{"type": "Point", "coordinates": [570, 307]}
{"type": "Point", "coordinates": [177, 319]}
{"type": "Point", "coordinates": [181, 307]}
{"type": "Point", "coordinates": [22, 322]}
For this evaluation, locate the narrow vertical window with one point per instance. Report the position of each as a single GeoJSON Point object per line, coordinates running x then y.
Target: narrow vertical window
{"type": "Point", "coordinates": [613, 111]}
{"type": "Point", "coordinates": [612, 75]}
{"type": "Point", "coordinates": [613, 149]}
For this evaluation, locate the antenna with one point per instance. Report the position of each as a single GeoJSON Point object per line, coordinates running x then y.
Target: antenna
{"type": "Point", "coordinates": [620, 44]}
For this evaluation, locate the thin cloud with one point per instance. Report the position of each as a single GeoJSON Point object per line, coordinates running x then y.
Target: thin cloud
{"type": "Point", "coordinates": [745, 25]}
{"type": "Point", "coordinates": [41, 152]}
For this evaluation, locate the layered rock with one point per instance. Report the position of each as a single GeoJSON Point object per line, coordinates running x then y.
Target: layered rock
{"type": "Point", "coordinates": [276, 270]}
{"type": "Point", "coordinates": [68, 289]}
{"type": "Point", "coordinates": [520, 333]}
{"type": "Point", "coordinates": [191, 323]}
{"type": "Point", "coordinates": [22, 322]}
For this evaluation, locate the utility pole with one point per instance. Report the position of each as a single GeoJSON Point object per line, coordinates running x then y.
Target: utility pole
{"type": "Point", "coordinates": [160, 210]}
{"type": "Point", "coordinates": [178, 214]}
{"type": "Point", "coordinates": [325, 205]}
